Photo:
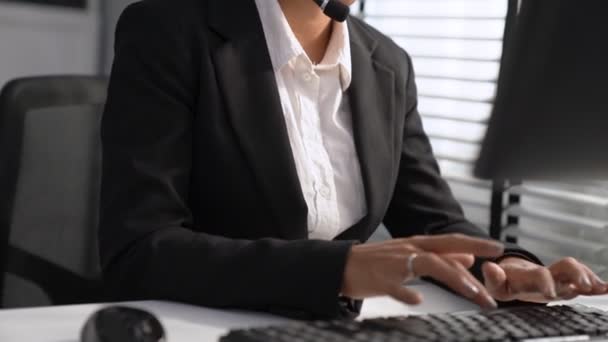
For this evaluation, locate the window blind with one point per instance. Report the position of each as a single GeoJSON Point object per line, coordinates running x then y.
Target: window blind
{"type": "Point", "coordinates": [456, 47]}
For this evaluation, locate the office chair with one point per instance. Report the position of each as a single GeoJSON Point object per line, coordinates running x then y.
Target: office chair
{"type": "Point", "coordinates": [50, 165]}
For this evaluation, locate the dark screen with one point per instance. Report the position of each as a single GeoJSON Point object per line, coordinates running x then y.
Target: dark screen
{"type": "Point", "coordinates": [550, 119]}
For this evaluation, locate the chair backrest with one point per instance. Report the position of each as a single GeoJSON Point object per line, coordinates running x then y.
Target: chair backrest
{"type": "Point", "coordinates": [50, 170]}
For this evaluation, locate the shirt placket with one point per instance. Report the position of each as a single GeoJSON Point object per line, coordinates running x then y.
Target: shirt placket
{"type": "Point", "coordinates": [325, 220]}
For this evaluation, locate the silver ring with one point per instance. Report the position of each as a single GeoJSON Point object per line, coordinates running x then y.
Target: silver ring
{"type": "Point", "coordinates": [410, 265]}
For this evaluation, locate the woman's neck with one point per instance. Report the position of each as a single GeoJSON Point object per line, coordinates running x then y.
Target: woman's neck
{"type": "Point", "coordinates": [311, 27]}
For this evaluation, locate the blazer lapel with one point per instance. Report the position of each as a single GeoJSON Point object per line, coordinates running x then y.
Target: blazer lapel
{"type": "Point", "coordinates": [247, 81]}
{"type": "Point", "coordinates": [372, 100]}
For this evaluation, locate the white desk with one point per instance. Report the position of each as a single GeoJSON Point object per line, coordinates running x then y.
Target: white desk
{"type": "Point", "coordinates": [185, 323]}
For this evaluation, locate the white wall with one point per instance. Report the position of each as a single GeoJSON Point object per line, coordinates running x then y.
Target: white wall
{"type": "Point", "coordinates": [42, 40]}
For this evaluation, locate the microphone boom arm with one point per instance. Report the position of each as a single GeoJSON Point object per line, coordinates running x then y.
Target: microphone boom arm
{"type": "Point", "coordinates": [334, 9]}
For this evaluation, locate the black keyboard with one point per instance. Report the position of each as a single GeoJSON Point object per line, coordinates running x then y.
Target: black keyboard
{"type": "Point", "coordinates": [558, 323]}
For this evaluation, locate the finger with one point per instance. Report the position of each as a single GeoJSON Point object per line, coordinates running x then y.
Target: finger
{"type": "Point", "coordinates": [432, 265]}
{"type": "Point", "coordinates": [397, 248]}
{"type": "Point", "coordinates": [405, 295]}
{"type": "Point", "coordinates": [390, 245]}
{"type": "Point", "coordinates": [458, 243]}
{"type": "Point", "coordinates": [599, 286]}
{"type": "Point", "coordinates": [569, 270]}
{"type": "Point", "coordinates": [535, 284]}
{"type": "Point", "coordinates": [405, 247]}
{"type": "Point", "coordinates": [567, 291]}
{"type": "Point", "coordinates": [570, 296]}
{"type": "Point", "coordinates": [495, 280]}
{"type": "Point", "coordinates": [474, 282]}
{"type": "Point", "coordinates": [466, 260]}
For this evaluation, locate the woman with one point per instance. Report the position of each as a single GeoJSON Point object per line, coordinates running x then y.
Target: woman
{"type": "Point", "coordinates": [250, 145]}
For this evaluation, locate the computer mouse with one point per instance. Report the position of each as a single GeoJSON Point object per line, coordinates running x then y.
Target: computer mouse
{"type": "Point", "coordinates": [122, 324]}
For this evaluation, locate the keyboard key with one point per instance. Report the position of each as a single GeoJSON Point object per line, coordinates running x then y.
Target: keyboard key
{"type": "Point", "coordinates": [513, 324]}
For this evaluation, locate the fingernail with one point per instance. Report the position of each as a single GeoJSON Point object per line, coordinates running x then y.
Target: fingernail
{"type": "Point", "coordinates": [552, 294]}
{"type": "Point", "coordinates": [472, 290]}
{"type": "Point", "coordinates": [492, 303]}
{"type": "Point", "coordinates": [587, 282]}
{"type": "Point", "coordinates": [499, 247]}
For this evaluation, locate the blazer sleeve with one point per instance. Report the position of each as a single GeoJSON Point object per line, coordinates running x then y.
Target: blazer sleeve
{"type": "Point", "coordinates": [148, 247]}
{"type": "Point", "coordinates": [422, 202]}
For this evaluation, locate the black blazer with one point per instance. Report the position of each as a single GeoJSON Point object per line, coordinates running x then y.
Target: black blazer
{"type": "Point", "coordinates": [200, 197]}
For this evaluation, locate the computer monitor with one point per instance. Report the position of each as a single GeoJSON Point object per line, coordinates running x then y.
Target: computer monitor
{"type": "Point", "coordinates": [550, 119]}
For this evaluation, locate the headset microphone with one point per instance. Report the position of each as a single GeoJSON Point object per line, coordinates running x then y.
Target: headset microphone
{"type": "Point", "coordinates": [334, 9]}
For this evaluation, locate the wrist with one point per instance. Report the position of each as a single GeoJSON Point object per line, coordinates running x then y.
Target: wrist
{"type": "Point", "coordinates": [347, 274]}
{"type": "Point", "coordinates": [515, 258]}
{"type": "Point", "coordinates": [518, 262]}
{"type": "Point", "coordinates": [509, 260]}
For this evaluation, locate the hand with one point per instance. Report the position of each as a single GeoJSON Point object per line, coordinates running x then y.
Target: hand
{"type": "Point", "coordinates": [381, 268]}
{"type": "Point", "coordinates": [518, 279]}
